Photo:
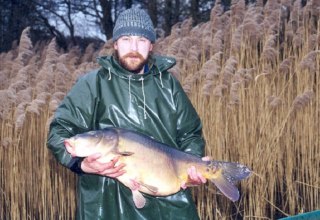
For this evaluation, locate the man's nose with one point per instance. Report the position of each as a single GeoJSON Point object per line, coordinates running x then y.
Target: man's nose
{"type": "Point", "coordinates": [133, 45]}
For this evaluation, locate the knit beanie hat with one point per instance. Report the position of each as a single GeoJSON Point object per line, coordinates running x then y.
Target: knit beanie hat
{"type": "Point", "coordinates": [134, 22]}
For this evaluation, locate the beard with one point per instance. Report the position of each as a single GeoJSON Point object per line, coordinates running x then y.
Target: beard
{"type": "Point", "coordinates": [133, 62]}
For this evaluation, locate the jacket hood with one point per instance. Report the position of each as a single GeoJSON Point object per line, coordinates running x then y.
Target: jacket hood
{"type": "Point", "coordinates": [157, 65]}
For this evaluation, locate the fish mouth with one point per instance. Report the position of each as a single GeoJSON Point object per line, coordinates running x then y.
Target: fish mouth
{"type": "Point", "coordinates": [69, 148]}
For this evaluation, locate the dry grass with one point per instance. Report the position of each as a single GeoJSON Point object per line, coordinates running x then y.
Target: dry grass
{"type": "Point", "coordinates": [253, 75]}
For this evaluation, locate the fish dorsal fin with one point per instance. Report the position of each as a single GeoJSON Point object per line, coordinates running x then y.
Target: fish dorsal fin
{"type": "Point", "coordinates": [138, 199]}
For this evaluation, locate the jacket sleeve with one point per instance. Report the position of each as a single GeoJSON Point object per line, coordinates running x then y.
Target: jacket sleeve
{"type": "Point", "coordinates": [189, 126]}
{"type": "Point", "coordinates": [74, 115]}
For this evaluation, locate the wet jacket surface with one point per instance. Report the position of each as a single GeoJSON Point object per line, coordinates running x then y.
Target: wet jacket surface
{"type": "Point", "coordinates": [153, 103]}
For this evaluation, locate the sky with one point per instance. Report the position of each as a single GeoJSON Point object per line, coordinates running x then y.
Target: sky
{"type": "Point", "coordinates": [84, 26]}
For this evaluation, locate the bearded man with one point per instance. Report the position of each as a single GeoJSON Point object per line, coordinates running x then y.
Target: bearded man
{"type": "Point", "coordinates": [133, 90]}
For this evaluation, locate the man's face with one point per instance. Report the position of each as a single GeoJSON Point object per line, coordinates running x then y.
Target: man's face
{"type": "Point", "coordinates": [133, 52]}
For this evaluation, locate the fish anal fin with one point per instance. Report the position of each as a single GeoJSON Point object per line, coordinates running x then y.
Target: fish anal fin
{"type": "Point", "coordinates": [138, 199]}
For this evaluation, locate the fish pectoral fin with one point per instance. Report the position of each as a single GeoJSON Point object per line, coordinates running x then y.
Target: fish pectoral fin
{"type": "Point", "coordinates": [125, 153]}
{"type": "Point", "coordinates": [152, 189]}
{"type": "Point", "coordinates": [137, 185]}
{"type": "Point", "coordinates": [138, 199]}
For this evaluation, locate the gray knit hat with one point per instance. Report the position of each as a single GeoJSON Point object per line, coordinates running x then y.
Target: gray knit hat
{"type": "Point", "coordinates": [134, 22]}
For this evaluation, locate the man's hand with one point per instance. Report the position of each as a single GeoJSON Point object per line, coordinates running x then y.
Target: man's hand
{"type": "Point", "coordinates": [91, 165]}
{"type": "Point", "coordinates": [194, 177]}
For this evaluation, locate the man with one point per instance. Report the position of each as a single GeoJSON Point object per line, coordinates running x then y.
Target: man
{"type": "Point", "coordinates": [134, 90]}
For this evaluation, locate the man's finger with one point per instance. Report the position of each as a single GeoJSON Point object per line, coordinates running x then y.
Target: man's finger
{"type": "Point", "coordinates": [191, 172]}
{"type": "Point", "coordinates": [206, 158]}
{"type": "Point", "coordinates": [115, 175]}
{"type": "Point", "coordinates": [115, 160]}
{"type": "Point", "coordinates": [183, 185]}
{"type": "Point", "coordinates": [195, 176]}
{"type": "Point", "coordinates": [203, 180]}
{"type": "Point", "coordinates": [114, 170]}
{"type": "Point", "coordinates": [93, 157]}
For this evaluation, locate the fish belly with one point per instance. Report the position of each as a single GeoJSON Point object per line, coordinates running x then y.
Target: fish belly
{"type": "Point", "coordinates": [148, 167]}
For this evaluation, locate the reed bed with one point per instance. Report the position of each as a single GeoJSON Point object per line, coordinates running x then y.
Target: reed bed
{"type": "Point", "coordinates": [251, 72]}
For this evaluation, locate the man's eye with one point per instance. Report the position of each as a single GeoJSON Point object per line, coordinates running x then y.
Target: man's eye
{"type": "Point", "coordinates": [125, 38]}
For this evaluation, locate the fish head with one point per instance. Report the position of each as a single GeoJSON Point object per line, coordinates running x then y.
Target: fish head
{"type": "Point", "coordinates": [85, 144]}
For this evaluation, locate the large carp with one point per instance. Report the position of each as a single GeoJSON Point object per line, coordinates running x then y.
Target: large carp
{"type": "Point", "coordinates": [154, 167]}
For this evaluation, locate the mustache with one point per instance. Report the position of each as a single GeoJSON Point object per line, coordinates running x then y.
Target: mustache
{"type": "Point", "coordinates": [133, 55]}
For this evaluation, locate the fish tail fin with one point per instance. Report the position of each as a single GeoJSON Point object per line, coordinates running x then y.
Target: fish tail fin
{"type": "Point", "coordinates": [226, 187]}
{"type": "Point", "coordinates": [227, 174]}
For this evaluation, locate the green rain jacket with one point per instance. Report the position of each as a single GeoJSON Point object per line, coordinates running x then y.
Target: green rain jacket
{"type": "Point", "coordinates": [152, 103]}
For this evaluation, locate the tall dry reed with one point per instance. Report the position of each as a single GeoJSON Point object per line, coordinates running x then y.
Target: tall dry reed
{"type": "Point", "coordinates": [251, 72]}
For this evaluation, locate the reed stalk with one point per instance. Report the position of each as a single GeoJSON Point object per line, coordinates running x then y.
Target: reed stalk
{"type": "Point", "coordinates": [252, 73]}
